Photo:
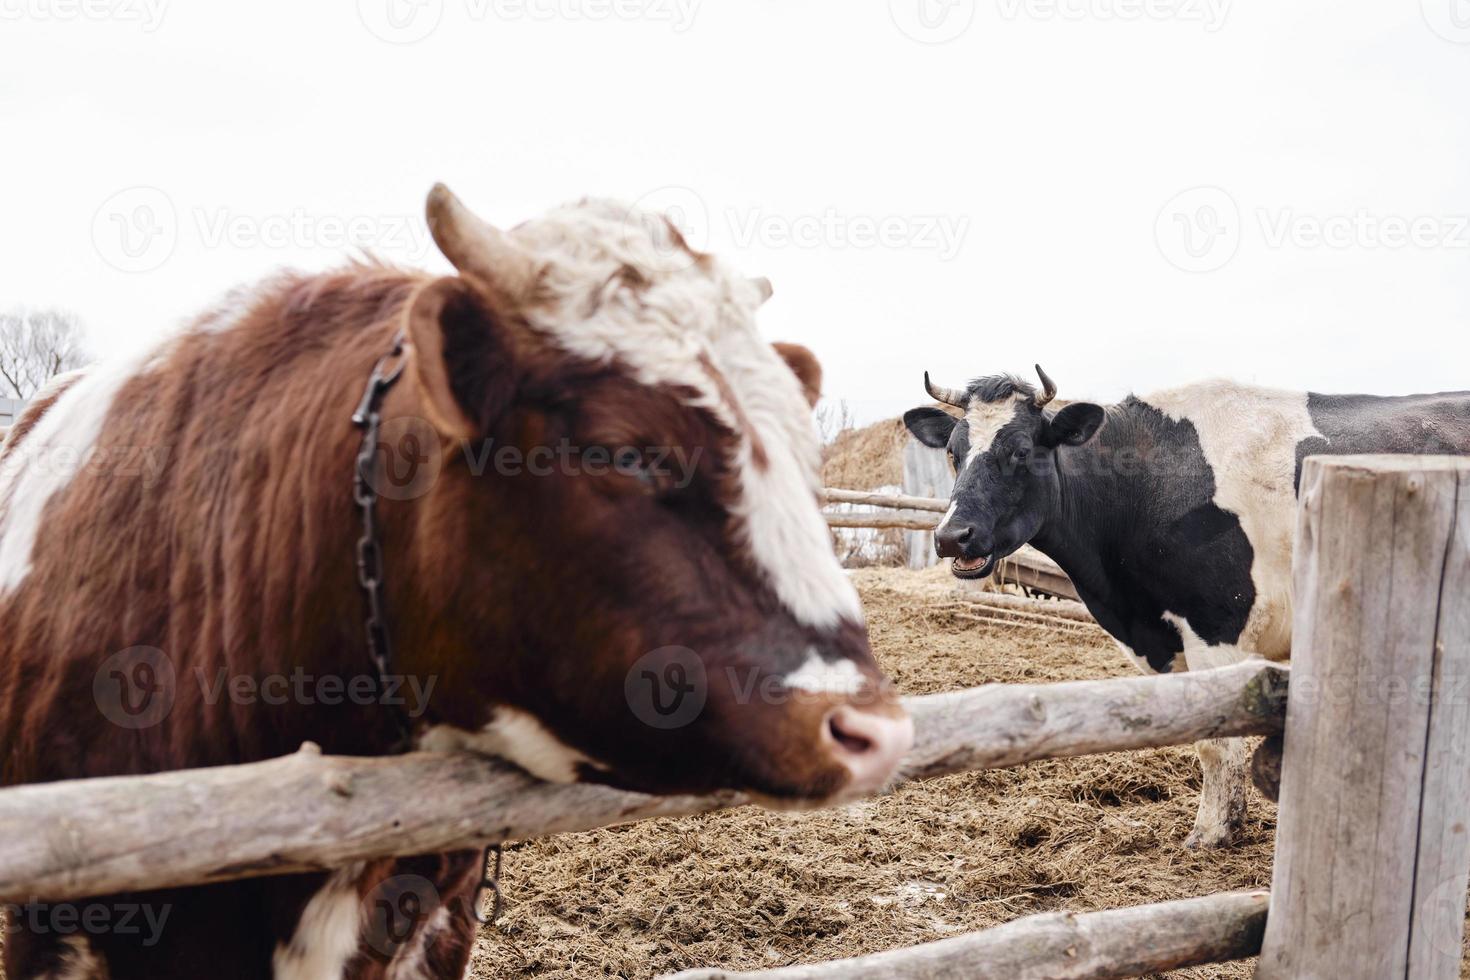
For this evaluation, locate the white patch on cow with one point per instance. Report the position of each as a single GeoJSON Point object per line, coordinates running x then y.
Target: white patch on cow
{"type": "Point", "coordinates": [516, 736]}
{"type": "Point", "coordinates": [818, 676]}
{"type": "Point", "coordinates": [327, 933]}
{"type": "Point", "coordinates": [691, 325]}
{"type": "Point", "coordinates": [1199, 655]}
{"type": "Point", "coordinates": [985, 419]}
{"type": "Point", "coordinates": [78, 961]}
{"type": "Point", "coordinates": [954, 505]}
{"type": "Point", "coordinates": [1224, 762]}
{"type": "Point", "coordinates": [57, 447]}
{"type": "Point", "coordinates": [413, 963]}
{"type": "Point", "coordinates": [1249, 436]}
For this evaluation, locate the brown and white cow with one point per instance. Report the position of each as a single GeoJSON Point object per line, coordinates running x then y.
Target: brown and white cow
{"type": "Point", "coordinates": [196, 504]}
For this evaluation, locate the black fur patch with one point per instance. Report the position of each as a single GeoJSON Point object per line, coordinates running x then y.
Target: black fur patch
{"type": "Point", "coordinates": [1142, 536]}
{"type": "Point", "coordinates": [1350, 424]}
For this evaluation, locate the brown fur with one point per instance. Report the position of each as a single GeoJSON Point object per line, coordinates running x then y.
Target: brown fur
{"type": "Point", "coordinates": [804, 365]}
{"type": "Point", "coordinates": [533, 591]}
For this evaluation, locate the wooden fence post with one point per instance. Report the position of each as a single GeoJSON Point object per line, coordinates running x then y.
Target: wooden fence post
{"type": "Point", "coordinates": [1372, 848]}
{"type": "Point", "coordinates": [926, 473]}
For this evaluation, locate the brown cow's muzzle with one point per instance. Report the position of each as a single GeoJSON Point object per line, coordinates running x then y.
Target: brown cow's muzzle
{"type": "Point", "coordinates": [814, 742]}
{"type": "Point", "coordinates": [805, 728]}
{"type": "Point", "coordinates": [870, 743]}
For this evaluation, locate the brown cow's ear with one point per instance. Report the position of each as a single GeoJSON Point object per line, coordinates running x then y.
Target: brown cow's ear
{"type": "Point", "coordinates": [461, 358]}
{"type": "Point", "coordinates": [804, 365]}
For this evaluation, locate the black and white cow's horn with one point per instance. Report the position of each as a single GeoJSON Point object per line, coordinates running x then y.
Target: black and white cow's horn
{"type": "Point", "coordinates": [957, 397]}
{"type": "Point", "coordinates": [1048, 388]}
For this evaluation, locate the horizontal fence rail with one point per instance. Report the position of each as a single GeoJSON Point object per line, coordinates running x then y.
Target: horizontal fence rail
{"type": "Point", "coordinates": [78, 838]}
{"type": "Point", "coordinates": [1059, 946]}
{"type": "Point", "coordinates": [903, 521]}
{"type": "Point", "coordinates": [1068, 609]}
{"type": "Point", "coordinates": [1027, 567]}
{"type": "Point", "coordinates": [899, 501]}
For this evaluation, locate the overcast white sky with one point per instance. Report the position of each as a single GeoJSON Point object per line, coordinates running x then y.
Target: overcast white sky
{"type": "Point", "coordinates": [1136, 193]}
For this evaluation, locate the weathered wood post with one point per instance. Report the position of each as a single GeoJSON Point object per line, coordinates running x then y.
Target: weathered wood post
{"type": "Point", "coordinates": [1373, 838]}
{"type": "Point", "coordinates": [926, 473]}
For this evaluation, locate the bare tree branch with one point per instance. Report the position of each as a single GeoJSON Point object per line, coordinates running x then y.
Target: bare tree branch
{"type": "Point", "coordinates": [36, 345]}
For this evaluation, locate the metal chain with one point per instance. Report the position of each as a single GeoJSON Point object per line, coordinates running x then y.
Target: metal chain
{"type": "Point", "coordinates": [489, 882]}
{"type": "Point", "coordinates": [368, 418]}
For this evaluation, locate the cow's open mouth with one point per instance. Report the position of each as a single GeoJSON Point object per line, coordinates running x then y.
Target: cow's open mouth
{"type": "Point", "coordinates": [973, 567]}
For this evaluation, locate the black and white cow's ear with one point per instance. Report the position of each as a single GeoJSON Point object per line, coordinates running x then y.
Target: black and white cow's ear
{"type": "Point", "coordinates": [930, 425]}
{"type": "Point", "coordinates": [1074, 425]}
{"type": "Point", "coordinates": [460, 358]}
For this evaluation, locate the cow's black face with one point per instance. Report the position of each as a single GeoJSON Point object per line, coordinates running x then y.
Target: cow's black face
{"type": "Point", "coordinates": [1004, 489]}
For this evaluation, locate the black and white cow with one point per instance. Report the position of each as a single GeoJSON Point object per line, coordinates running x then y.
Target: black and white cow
{"type": "Point", "coordinates": [1173, 514]}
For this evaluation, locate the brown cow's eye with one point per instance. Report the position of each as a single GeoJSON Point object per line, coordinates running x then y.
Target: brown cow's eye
{"type": "Point", "coordinates": [631, 463]}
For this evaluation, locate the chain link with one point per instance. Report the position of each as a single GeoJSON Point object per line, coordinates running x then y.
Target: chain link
{"type": "Point", "coordinates": [368, 418]}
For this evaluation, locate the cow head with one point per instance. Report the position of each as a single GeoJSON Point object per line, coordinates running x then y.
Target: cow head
{"type": "Point", "coordinates": [1003, 451]}
{"type": "Point", "coordinates": [648, 596]}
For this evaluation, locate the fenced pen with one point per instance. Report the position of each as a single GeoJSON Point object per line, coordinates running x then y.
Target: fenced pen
{"type": "Point", "coordinates": [1372, 850]}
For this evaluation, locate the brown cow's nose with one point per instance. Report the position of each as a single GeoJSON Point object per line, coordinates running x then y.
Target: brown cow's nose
{"type": "Point", "coordinates": [870, 745]}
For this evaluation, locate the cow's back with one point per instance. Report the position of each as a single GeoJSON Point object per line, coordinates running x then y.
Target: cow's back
{"type": "Point", "coordinates": [189, 499]}
{"type": "Point", "coordinates": [1254, 440]}
{"type": "Point", "coordinates": [1437, 424]}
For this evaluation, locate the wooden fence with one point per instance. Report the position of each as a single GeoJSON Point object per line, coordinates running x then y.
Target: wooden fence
{"type": "Point", "coordinates": [1028, 567]}
{"type": "Point", "coordinates": [1372, 853]}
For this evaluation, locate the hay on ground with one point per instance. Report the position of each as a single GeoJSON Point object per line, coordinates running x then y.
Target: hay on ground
{"type": "Point", "coordinates": [750, 888]}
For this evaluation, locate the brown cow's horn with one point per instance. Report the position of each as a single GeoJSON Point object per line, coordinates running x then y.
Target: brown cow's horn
{"type": "Point", "coordinates": [482, 253]}
{"type": "Point", "coordinates": [1048, 388]}
{"type": "Point", "coordinates": [949, 396]}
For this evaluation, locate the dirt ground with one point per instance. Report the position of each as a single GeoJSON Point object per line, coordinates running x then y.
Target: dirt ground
{"type": "Point", "coordinates": [750, 888]}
